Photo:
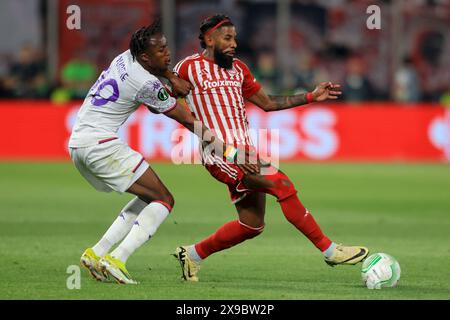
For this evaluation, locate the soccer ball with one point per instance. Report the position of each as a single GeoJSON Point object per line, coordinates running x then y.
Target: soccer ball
{"type": "Point", "coordinates": [380, 270]}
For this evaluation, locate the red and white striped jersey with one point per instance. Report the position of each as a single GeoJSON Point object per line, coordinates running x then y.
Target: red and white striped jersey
{"type": "Point", "coordinates": [218, 96]}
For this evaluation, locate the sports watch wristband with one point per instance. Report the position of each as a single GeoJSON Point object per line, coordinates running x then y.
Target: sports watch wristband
{"type": "Point", "coordinates": [231, 153]}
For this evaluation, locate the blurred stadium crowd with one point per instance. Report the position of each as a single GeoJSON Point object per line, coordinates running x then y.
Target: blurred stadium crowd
{"type": "Point", "coordinates": [406, 60]}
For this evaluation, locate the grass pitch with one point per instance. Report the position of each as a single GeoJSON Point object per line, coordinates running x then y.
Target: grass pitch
{"type": "Point", "coordinates": [49, 215]}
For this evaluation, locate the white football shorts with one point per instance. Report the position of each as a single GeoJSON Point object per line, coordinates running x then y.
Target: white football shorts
{"type": "Point", "coordinates": [110, 165]}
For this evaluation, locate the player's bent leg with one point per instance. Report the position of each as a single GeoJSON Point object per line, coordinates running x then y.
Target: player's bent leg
{"type": "Point", "coordinates": [116, 232]}
{"type": "Point", "coordinates": [252, 209]}
{"type": "Point", "coordinates": [120, 227]}
{"type": "Point", "coordinates": [149, 188]}
{"type": "Point", "coordinates": [250, 224]}
{"type": "Point", "coordinates": [280, 186]}
{"type": "Point", "coordinates": [227, 236]}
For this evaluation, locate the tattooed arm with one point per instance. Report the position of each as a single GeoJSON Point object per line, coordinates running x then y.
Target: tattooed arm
{"type": "Point", "coordinates": [324, 91]}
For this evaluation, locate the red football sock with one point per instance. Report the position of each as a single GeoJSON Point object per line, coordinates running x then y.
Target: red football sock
{"type": "Point", "coordinates": [283, 189]}
{"type": "Point", "coordinates": [300, 217]}
{"type": "Point", "coordinates": [228, 235]}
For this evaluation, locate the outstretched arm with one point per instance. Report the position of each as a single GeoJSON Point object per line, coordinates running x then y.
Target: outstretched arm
{"type": "Point", "coordinates": [324, 91]}
{"type": "Point", "coordinates": [184, 117]}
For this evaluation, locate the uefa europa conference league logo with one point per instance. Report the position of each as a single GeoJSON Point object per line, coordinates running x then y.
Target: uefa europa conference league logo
{"type": "Point", "coordinates": [162, 94]}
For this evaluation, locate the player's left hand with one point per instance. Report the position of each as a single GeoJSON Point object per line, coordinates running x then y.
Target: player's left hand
{"type": "Point", "coordinates": [247, 160]}
{"type": "Point", "coordinates": [326, 91]}
{"type": "Point", "coordinates": [180, 87]}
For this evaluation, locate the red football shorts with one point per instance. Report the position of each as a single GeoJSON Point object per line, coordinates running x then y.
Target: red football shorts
{"type": "Point", "coordinates": [227, 173]}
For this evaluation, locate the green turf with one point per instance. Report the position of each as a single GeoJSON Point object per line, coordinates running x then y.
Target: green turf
{"type": "Point", "coordinates": [49, 215]}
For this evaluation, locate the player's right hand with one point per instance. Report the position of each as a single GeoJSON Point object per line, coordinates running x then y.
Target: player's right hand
{"type": "Point", "coordinates": [180, 87]}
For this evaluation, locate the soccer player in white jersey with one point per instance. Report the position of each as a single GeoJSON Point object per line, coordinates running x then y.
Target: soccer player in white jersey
{"type": "Point", "coordinates": [221, 83]}
{"type": "Point", "coordinates": [109, 164]}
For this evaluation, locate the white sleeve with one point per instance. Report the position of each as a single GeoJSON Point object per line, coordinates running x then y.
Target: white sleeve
{"type": "Point", "coordinates": [155, 96]}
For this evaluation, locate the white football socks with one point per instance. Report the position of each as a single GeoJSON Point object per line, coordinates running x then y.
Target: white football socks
{"type": "Point", "coordinates": [143, 229]}
{"type": "Point", "coordinates": [120, 227]}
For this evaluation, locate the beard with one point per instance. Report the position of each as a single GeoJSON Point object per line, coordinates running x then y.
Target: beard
{"type": "Point", "coordinates": [223, 60]}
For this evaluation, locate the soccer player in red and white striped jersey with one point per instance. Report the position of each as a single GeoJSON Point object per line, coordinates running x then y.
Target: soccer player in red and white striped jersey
{"type": "Point", "coordinates": [218, 96]}
{"type": "Point", "coordinates": [221, 85]}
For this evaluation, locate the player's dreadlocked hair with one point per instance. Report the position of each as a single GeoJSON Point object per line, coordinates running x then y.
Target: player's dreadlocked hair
{"type": "Point", "coordinates": [140, 39]}
{"type": "Point", "coordinates": [210, 23]}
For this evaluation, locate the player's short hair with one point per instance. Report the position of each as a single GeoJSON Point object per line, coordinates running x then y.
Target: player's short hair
{"type": "Point", "coordinates": [212, 22]}
{"type": "Point", "coordinates": [140, 39]}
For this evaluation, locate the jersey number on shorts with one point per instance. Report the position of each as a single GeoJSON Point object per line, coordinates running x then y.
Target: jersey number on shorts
{"type": "Point", "coordinates": [99, 85]}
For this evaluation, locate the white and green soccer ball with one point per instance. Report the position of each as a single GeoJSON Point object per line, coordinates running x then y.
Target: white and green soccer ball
{"type": "Point", "coordinates": [380, 270]}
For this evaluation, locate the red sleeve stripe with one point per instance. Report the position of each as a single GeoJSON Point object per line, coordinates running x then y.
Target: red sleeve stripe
{"type": "Point", "coordinates": [140, 162]}
{"type": "Point", "coordinates": [106, 140]}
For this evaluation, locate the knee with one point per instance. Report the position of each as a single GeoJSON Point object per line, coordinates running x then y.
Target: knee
{"type": "Point", "coordinates": [162, 195]}
{"type": "Point", "coordinates": [283, 187]}
{"type": "Point", "coordinates": [251, 231]}
{"type": "Point", "coordinates": [171, 201]}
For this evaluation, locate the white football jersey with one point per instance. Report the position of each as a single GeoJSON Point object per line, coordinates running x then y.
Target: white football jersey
{"type": "Point", "coordinates": [116, 94]}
